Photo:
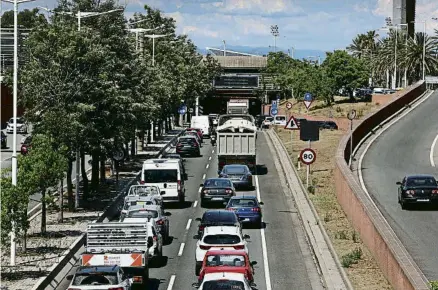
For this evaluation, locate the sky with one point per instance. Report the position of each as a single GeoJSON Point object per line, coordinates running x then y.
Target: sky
{"type": "Point", "coordinates": [303, 24]}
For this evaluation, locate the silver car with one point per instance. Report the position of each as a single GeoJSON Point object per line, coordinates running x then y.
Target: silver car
{"type": "Point", "coordinates": [21, 126]}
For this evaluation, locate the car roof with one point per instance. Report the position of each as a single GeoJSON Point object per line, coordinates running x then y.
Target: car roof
{"type": "Point", "coordinates": [226, 230]}
{"type": "Point", "coordinates": [218, 178]}
{"type": "Point", "coordinates": [253, 197]}
{"type": "Point", "coordinates": [226, 252]}
{"type": "Point", "coordinates": [92, 269]}
{"type": "Point", "coordinates": [224, 275]}
{"type": "Point", "coordinates": [141, 197]}
{"type": "Point", "coordinates": [187, 136]}
{"type": "Point", "coordinates": [138, 207]}
{"type": "Point", "coordinates": [218, 213]}
{"type": "Point", "coordinates": [420, 176]}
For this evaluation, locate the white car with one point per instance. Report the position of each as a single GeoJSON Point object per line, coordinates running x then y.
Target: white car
{"type": "Point", "coordinates": [267, 122]}
{"type": "Point", "coordinates": [280, 120]}
{"type": "Point", "coordinates": [21, 126]}
{"type": "Point", "coordinates": [99, 278]}
{"type": "Point", "coordinates": [216, 238]}
{"type": "Point", "coordinates": [225, 280]}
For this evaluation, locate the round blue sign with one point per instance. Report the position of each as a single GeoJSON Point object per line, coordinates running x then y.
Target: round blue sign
{"type": "Point", "coordinates": [274, 111]}
{"type": "Point", "coordinates": [308, 97]}
{"type": "Point", "coordinates": [182, 110]}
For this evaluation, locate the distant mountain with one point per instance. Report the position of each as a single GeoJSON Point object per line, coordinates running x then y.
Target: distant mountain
{"type": "Point", "coordinates": [298, 53]}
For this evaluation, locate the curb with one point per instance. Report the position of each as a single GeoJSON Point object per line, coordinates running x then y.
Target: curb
{"type": "Point", "coordinates": [325, 261]}
{"type": "Point", "coordinates": [52, 280]}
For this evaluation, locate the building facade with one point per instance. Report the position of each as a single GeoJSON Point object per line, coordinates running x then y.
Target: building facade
{"type": "Point", "coordinates": [403, 12]}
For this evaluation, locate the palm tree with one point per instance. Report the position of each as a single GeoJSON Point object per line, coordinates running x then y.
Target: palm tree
{"type": "Point", "coordinates": [363, 44]}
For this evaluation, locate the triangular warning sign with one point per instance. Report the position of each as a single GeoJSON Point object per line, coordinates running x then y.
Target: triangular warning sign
{"type": "Point", "coordinates": [292, 124]}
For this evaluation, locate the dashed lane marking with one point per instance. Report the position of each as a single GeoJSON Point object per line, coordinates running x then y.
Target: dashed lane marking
{"type": "Point", "coordinates": [203, 176]}
{"type": "Point", "coordinates": [189, 222]}
{"type": "Point", "coordinates": [212, 151]}
{"type": "Point", "coordinates": [264, 247]}
{"type": "Point", "coordinates": [181, 250]}
{"type": "Point", "coordinates": [209, 158]}
{"type": "Point", "coordinates": [199, 190]}
{"type": "Point", "coordinates": [171, 282]}
{"type": "Point", "coordinates": [207, 166]}
{"type": "Point", "coordinates": [195, 203]}
{"type": "Point", "coordinates": [432, 151]}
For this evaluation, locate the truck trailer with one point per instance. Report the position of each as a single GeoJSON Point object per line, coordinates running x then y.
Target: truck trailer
{"type": "Point", "coordinates": [236, 140]}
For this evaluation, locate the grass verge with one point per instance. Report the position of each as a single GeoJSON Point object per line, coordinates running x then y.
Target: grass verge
{"type": "Point", "coordinates": [360, 266]}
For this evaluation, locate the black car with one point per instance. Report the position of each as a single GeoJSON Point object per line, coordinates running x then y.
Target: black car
{"type": "Point", "coordinates": [188, 145]}
{"type": "Point", "coordinates": [240, 175]}
{"type": "Point", "coordinates": [417, 189]}
{"type": "Point", "coordinates": [217, 217]}
{"type": "Point", "coordinates": [4, 140]}
{"type": "Point", "coordinates": [328, 125]}
{"type": "Point", "coordinates": [217, 190]}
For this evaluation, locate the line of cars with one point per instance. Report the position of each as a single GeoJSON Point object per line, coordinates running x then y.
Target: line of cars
{"type": "Point", "coordinates": [222, 259]}
{"type": "Point", "coordinates": [265, 122]}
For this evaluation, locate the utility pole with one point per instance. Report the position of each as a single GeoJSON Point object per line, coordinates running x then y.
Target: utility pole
{"type": "Point", "coordinates": [225, 51]}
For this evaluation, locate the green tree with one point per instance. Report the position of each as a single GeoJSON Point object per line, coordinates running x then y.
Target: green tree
{"type": "Point", "coordinates": [26, 18]}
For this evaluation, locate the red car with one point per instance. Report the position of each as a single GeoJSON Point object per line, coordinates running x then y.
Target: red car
{"type": "Point", "coordinates": [234, 261]}
{"type": "Point", "coordinates": [199, 131]}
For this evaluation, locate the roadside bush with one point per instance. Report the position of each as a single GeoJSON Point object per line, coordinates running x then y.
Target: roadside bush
{"type": "Point", "coordinates": [351, 258]}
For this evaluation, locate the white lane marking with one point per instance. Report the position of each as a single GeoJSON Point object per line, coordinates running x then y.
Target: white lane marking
{"type": "Point", "coordinates": [199, 190]}
{"type": "Point", "coordinates": [207, 166]}
{"type": "Point", "coordinates": [203, 176]}
{"type": "Point", "coordinates": [212, 151]}
{"type": "Point", "coordinates": [264, 247]}
{"type": "Point", "coordinates": [189, 222]}
{"type": "Point", "coordinates": [181, 249]}
{"type": "Point", "coordinates": [209, 158]}
{"type": "Point", "coordinates": [171, 282]}
{"type": "Point", "coordinates": [432, 149]}
{"type": "Point", "coordinates": [195, 203]}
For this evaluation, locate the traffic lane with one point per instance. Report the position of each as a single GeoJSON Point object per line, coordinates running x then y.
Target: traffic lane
{"type": "Point", "coordinates": [185, 271]}
{"type": "Point", "coordinates": [35, 199]}
{"type": "Point", "coordinates": [195, 168]}
{"type": "Point", "coordinates": [404, 149]}
{"type": "Point", "coordinates": [291, 263]}
{"type": "Point", "coordinates": [434, 152]}
{"type": "Point", "coordinates": [159, 273]}
{"type": "Point", "coordinates": [10, 141]}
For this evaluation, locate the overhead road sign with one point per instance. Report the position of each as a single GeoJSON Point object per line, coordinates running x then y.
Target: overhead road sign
{"type": "Point", "coordinates": [308, 99]}
{"type": "Point", "coordinates": [288, 105]}
{"type": "Point", "coordinates": [307, 156]}
{"type": "Point", "coordinates": [292, 124]}
{"type": "Point", "coordinates": [431, 79]}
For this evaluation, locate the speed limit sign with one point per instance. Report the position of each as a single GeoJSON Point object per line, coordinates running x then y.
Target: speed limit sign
{"type": "Point", "coordinates": [307, 156]}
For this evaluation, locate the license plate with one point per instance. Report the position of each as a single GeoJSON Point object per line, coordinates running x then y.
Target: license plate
{"type": "Point", "coordinates": [140, 202]}
{"type": "Point", "coordinates": [216, 198]}
{"type": "Point", "coordinates": [423, 200]}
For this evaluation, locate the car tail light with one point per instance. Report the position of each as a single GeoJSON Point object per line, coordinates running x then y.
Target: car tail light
{"type": "Point", "coordinates": [155, 238]}
{"type": "Point", "coordinates": [411, 192]}
{"type": "Point", "coordinates": [205, 191]}
{"type": "Point", "coordinates": [435, 191]}
{"type": "Point", "coordinates": [201, 228]}
{"type": "Point", "coordinates": [204, 247]}
{"type": "Point", "coordinates": [137, 279]}
{"type": "Point", "coordinates": [179, 185]}
{"type": "Point", "coordinates": [142, 182]}
{"type": "Point", "coordinates": [228, 191]}
{"type": "Point", "coordinates": [160, 222]}
{"type": "Point", "coordinates": [240, 247]}
{"type": "Point", "coordinates": [255, 209]}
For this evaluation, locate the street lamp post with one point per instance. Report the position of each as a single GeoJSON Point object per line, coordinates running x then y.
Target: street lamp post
{"type": "Point", "coordinates": [79, 15]}
{"type": "Point", "coordinates": [14, 114]}
{"type": "Point", "coordinates": [275, 33]}
{"type": "Point", "coordinates": [225, 51]}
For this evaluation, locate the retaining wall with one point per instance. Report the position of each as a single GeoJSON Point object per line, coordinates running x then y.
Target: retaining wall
{"type": "Point", "coordinates": [393, 259]}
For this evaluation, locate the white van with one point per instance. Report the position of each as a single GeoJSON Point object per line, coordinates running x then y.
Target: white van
{"type": "Point", "coordinates": [280, 120]}
{"type": "Point", "coordinates": [203, 123]}
{"type": "Point", "coordinates": [168, 175]}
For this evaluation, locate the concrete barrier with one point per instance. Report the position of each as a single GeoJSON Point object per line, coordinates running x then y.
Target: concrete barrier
{"type": "Point", "coordinates": [393, 259]}
{"type": "Point", "coordinates": [69, 258]}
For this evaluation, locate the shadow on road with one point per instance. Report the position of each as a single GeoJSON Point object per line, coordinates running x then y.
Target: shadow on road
{"type": "Point", "coordinates": [261, 169]}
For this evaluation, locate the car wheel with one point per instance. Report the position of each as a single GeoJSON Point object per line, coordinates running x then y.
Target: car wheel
{"type": "Point", "coordinates": [404, 205]}
{"type": "Point", "coordinates": [198, 268]}
{"type": "Point", "coordinates": [182, 199]}
{"type": "Point", "coordinates": [203, 202]}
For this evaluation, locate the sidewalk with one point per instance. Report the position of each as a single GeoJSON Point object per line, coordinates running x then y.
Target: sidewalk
{"type": "Point", "coordinates": [45, 251]}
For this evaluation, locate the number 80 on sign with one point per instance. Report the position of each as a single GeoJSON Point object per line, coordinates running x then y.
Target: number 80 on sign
{"type": "Point", "coordinates": [307, 156]}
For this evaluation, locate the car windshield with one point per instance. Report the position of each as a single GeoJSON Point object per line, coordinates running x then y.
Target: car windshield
{"type": "Point", "coordinates": [217, 183]}
{"type": "Point", "coordinates": [221, 239]}
{"type": "Point", "coordinates": [225, 217]}
{"type": "Point", "coordinates": [160, 175]}
{"type": "Point", "coordinates": [235, 169]}
{"type": "Point", "coordinates": [243, 202]}
{"type": "Point", "coordinates": [128, 204]}
{"type": "Point", "coordinates": [19, 121]}
{"type": "Point", "coordinates": [280, 118]}
{"type": "Point", "coordinates": [186, 140]}
{"type": "Point", "coordinates": [226, 260]}
{"type": "Point", "coordinates": [95, 279]}
{"type": "Point", "coordinates": [143, 214]}
{"type": "Point", "coordinates": [223, 285]}
{"type": "Point", "coordinates": [143, 190]}
{"type": "Point", "coordinates": [269, 119]}
{"type": "Point", "coordinates": [421, 181]}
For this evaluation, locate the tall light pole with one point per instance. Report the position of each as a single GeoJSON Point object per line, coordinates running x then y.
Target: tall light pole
{"type": "Point", "coordinates": [275, 33]}
{"type": "Point", "coordinates": [154, 36]}
{"type": "Point", "coordinates": [225, 51]}
{"type": "Point", "coordinates": [424, 46]}
{"type": "Point", "coordinates": [137, 32]}
{"type": "Point", "coordinates": [14, 115]}
{"type": "Point", "coordinates": [79, 15]}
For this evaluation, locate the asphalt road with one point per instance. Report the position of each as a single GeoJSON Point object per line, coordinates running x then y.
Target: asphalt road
{"type": "Point", "coordinates": [288, 260]}
{"type": "Point", "coordinates": [6, 162]}
{"type": "Point", "coordinates": [405, 149]}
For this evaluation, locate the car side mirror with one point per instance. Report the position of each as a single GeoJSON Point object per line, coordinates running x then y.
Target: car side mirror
{"type": "Point", "coordinates": [69, 277]}
{"type": "Point", "coordinates": [196, 237]}
{"type": "Point", "coordinates": [398, 183]}
{"type": "Point", "coordinates": [246, 237]}
{"type": "Point", "coordinates": [196, 285]}
{"type": "Point", "coordinates": [254, 263]}
{"type": "Point", "coordinates": [201, 185]}
{"type": "Point", "coordinates": [162, 193]}
{"type": "Point", "coordinates": [198, 219]}
{"type": "Point", "coordinates": [261, 203]}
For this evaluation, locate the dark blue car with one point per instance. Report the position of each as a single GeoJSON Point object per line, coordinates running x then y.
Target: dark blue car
{"type": "Point", "coordinates": [247, 208]}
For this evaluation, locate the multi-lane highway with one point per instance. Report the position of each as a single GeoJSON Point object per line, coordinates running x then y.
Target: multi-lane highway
{"type": "Point", "coordinates": [406, 148]}
{"type": "Point", "coordinates": [283, 256]}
